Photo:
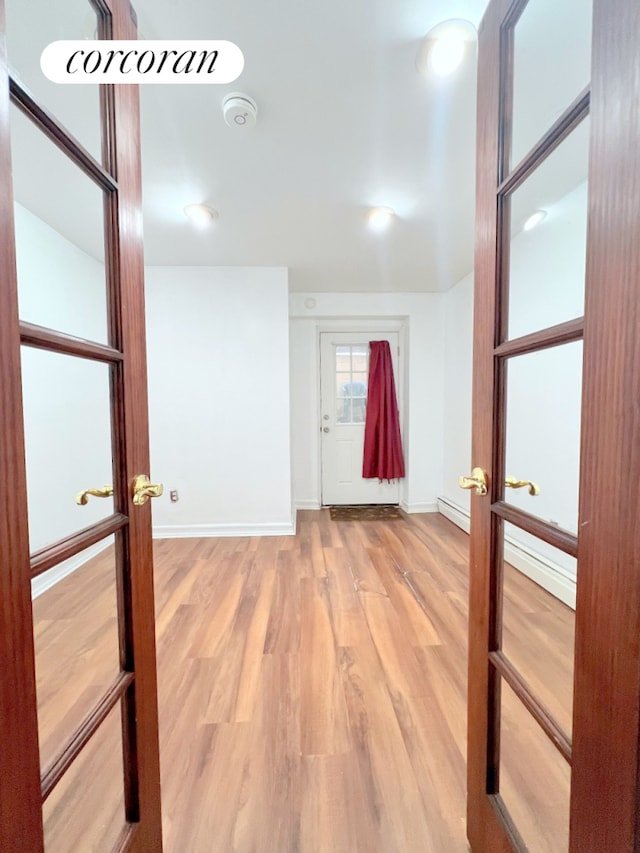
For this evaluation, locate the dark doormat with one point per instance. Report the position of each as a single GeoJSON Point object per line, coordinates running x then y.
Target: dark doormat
{"type": "Point", "coordinates": [365, 512]}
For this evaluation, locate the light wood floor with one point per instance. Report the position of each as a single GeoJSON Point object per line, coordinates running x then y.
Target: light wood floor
{"type": "Point", "coordinates": [311, 693]}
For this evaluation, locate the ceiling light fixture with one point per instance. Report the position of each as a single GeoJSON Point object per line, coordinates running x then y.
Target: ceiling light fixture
{"type": "Point", "coordinates": [444, 46]}
{"type": "Point", "coordinates": [201, 215]}
{"type": "Point", "coordinates": [380, 218]}
{"type": "Point", "coordinates": [535, 219]}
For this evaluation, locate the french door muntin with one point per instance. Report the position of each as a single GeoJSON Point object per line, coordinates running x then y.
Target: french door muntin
{"type": "Point", "coordinates": [603, 751]}
{"type": "Point", "coordinates": [25, 784]}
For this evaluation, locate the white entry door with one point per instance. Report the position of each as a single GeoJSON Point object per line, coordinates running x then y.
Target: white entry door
{"type": "Point", "coordinates": [344, 374]}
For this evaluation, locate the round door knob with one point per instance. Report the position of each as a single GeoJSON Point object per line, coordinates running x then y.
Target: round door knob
{"type": "Point", "coordinates": [325, 429]}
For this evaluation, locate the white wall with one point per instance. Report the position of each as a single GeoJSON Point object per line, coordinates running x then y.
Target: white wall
{"type": "Point", "coordinates": [458, 348]}
{"type": "Point", "coordinates": [420, 320]}
{"type": "Point", "coordinates": [543, 415]}
{"type": "Point", "coordinates": [218, 345]}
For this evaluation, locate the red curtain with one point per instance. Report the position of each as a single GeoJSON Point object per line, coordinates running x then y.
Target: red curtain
{"type": "Point", "coordinates": [383, 456]}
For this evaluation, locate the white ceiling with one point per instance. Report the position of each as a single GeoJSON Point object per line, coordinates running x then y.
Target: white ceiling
{"type": "Point", "coordinates": [345, 122]}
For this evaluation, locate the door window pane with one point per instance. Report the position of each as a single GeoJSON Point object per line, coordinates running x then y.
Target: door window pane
{"type": "Point", "coordinates": [538, 629]}
{"type": "Point", "coordinates": [548, 262]}
{"type": "Point", "coordinates": [67, 422]}
{"type": "Point", "coordinates": [535, 780]}
{"type": "Point", "coordinates": [564, 30]}
{"type": "Point", "coordinates": [75, 628]}
{"type": "Point", "coordinates": [85, 811]}
{"type": "Point", "coordinates": [544, 394]}
{"type": "Point", "coordinates": [352, 364]}
{"type": "Point", "coordinates": [59, 216]}
{"type": "Point", "coordinates": [30, 28]}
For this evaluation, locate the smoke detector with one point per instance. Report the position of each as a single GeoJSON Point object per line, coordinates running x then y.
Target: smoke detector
{"type": "Point", "coordinates": [239, 110]}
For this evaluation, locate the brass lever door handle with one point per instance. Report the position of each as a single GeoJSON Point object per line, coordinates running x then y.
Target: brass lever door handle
{"type": "Point", "coordinates": [143, 489]}
{"type": "Point", "coordinates": [514, 483]}
{"type": "Point", "coordinates": [82, 498]}
{"type": "Point", "coordinates": [477, 481]}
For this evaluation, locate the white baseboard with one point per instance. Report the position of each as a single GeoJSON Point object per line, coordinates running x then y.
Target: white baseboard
{"type": "Point", "coordinates": [544, 572]}
{"type": "Point", "coordinates": [455, 513]}
{"type": "Point", "coordinates": [423, 507]}
{"type": "Point", "coordinates": [309, 503]}
{"type": "Point", "coordinates": [207, 531]}
{"type": "Point", "coordinates": [50, 578]}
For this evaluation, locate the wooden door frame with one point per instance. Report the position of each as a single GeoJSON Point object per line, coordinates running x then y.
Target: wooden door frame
{"type": "Point", "coordinates": [20, 797]}
{"type": "Point", "coordinates": [484, 825]}
{"type": "Point", "coordinates": [20, 782]}
{"type": "Point", "coordinates": [136, 459]}
{"type": "Point", "coordinates": [605, 756]}
{"type": "Point", "coordinates": [605, 799]}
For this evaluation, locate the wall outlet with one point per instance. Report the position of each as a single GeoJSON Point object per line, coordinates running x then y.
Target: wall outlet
{"type": "Point", "coordinates": [173, 494]}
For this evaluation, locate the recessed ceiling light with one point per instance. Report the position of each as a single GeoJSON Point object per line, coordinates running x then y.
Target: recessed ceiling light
{"type": "Point", "coordinates": [380, 218]}
{"type": "Point", "coordinates": [201, 215]}
{"type": "Point", "coordinates": [535, 219]}
{"type": "Point", "coordinates": [443, 48]}
{"type": "Point", "coordinates": [447, 53]}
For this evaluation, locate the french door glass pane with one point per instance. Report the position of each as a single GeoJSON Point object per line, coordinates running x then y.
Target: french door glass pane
{"type": "Point", "coordinates": [67, 424]}
{"type": "Point", "coordinates": [75, 628]}
{"type": "Point", "coordinates": [30, 28]}
{"type": "Point", "coordinates": [544, 391]}
{"type": "Point", "coordinates": [535, 780]}
{"type": "Point", "coordinates": [546, 82]}
{"type": "Point", "coordinates": [85, 811]}
{"type": "Point", "coordinates": [538, 629]}
{"type": "Point", "coordinates": [59, 216]}
{"type": "Point", "coordinates": [548, 261]}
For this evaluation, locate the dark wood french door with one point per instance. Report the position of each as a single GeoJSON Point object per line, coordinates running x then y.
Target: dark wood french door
{"type": "Point", "coordinates": [73, 419]}
{"type": "Point", "coordinates": [554, 767]}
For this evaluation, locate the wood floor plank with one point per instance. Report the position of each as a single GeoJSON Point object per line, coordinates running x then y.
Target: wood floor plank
{"type": "Point", "coordinates": [317, 551]}
{"type": "Point", "coordinates": [335, 816]}
{"type": "Point", "coordinates": [397, 657]}
{"type": "Point", "coordinates": [222, 671]}
{"type": "Point", "coordinates": [283, 628]}
{"type": "Point", "coordinates": [394, 804]}
{"type": "Point", "coordinates": [347, 616]}
{"type": "Point", "coordinates": [213, 632]}
{"type": "Point", "coordinates": [323, 713]}
{"type": "Point", "coordinates": [214, 797]}
{"type": "Point", "coordinates": [413, 615]}
{"type": "Point", "coordinates": [312, 690]}
{"type": "Point", "coordinates": [443, 611]}
{"type": "Point", "coordinates": [439, 768]}
{"type": "Point", "coordinates": [365, 576]}
{"type": "Point", "coordinates": [256, 632]}
{"type": "Point", "coordinates": [269, 815]}
{"type": "Point", "coordinates": [447, 689]}
{"type": "Point", "coordinates": [180, 590]}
